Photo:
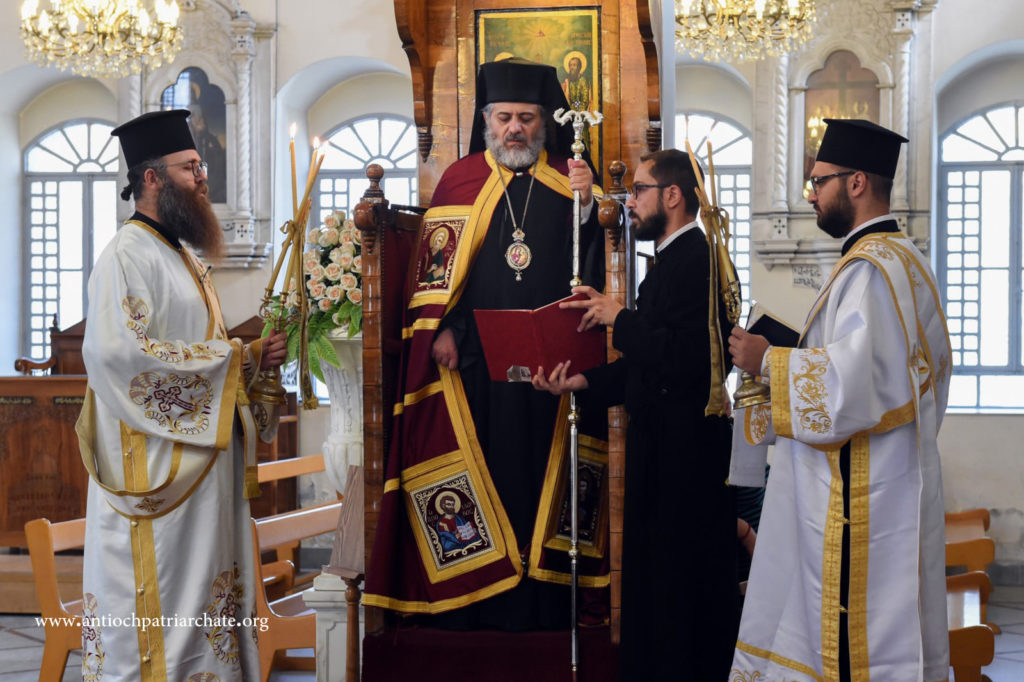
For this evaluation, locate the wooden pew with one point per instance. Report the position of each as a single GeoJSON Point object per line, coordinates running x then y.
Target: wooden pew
{"type": "Point", "coordinates": [971, 640]}
{"type": "Point", "coordinates": [968, 545]}
{"type": "Point", "coordinates": [280, 574]}
{"type": "Point", "coordinates": [62, 636]}
{"type": "Point", "coordinates": [966, 541]}
{"type": "Point", "coordinates": [289, 468]}
{"type": "Point", "coordinates": [289, 624]}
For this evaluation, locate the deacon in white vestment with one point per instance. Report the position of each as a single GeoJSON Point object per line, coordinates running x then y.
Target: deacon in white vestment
{"type": "Point", "coordinates": [847, 581]}
{"type": "Point", "coordinates": [167, 436]}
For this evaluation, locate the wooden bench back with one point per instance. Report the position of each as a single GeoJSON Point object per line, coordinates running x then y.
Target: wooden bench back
{"type": "Point", "coordinates": [44, 539]}
{"type": "Point", "coordinates": [297, 525]}
{"type": "Point", "coordinates": [966, 541]}
{"type": "Point", "coordinates": [65, 352]}
{"type": "Point", "coordinates": [289, 625]}
{"type": "Point", "coordinates": [64, 625]}
{"type": "Point", "coordinates": [290, 468]}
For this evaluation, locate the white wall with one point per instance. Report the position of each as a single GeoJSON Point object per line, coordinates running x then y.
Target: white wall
{"type": "Point", "coordinates": [92, 99]}
{"type": "Point", "coordinates": [999, 79]}
{"type": "Point", "coordinates": [378, 93]}
{"type": "Point", "coordinates": [312, 31]}
{"type": "Point", "coordinates": [318, 44]}
{"type": "Point", "coordinates": [714, 89]}
{"type": "Point", "coordinates": [966, 31]}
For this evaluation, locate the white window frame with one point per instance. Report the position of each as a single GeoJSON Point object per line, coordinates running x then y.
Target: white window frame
{"type": "Point", "coordinates": [956, 276]}
{"type": "Point", "coordinates": [355, 179]}
{"type": "Point", "coordinates": [38, 311]}
{"type": "Point", "coordinates": [743, 272]}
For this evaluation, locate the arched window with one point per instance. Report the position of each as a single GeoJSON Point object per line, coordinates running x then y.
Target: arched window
{"type": "Point", "coordinates": [979, 259]}
{"type": "Point", "coordinates": [70, 199]}
{"type": "Point", "coordinates": [733, 155]}
{"type": "Point", "coordinates": [386, 140]}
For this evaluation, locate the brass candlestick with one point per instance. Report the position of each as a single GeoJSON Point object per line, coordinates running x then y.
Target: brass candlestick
{"type": "Point", "coordinates": [750, 392]}
{"type": "Point", "coordinates": [723, 274]}
{"type": "Point", "coordinates": [267, 388]}
{"type": "Point", "coordinates": [291, 306]}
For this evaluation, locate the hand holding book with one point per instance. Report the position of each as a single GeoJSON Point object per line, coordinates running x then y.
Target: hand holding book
{"type": "Point", "coordinates": [600, 309]}
{"type": "Point", "coordinates": [748, 346]}
{"type": "Point", "coordinates": [517, 342]}
{"type": "Point", "coordinates": [557, 383]}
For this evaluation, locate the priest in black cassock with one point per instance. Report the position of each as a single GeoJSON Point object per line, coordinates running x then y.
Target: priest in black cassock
{"type": "Point", "coordinates": [498, 235]}
{"type": "Point", "coordinates": [680, 599]}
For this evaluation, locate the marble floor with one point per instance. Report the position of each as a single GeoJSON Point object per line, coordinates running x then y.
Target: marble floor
{"type": "Point", "coordinates": [21, 645]}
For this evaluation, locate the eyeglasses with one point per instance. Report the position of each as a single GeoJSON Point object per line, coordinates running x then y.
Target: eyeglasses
{"type": "Point", "coordinates": [818, 180]}
{"type": "Point", "coordinates": [640, 187]}
{"type": "Point", "coordinates": [198, 168]}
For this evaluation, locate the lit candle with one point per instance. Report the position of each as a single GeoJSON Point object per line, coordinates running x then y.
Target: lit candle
{"type": "Point", "coordinates": [311, 178]}
{"type": "Point", "coordinates": [291, 149]}
{"type": "Point", "coordinates": [319, 162]}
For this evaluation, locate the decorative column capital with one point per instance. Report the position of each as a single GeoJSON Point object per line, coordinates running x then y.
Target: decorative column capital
{"type": "Point", "coordinates": [903, 23]}
{"type": "Point", "coordinates": [243, 42]}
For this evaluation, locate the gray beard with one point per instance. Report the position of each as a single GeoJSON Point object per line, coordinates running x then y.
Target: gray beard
{"type": "Point", "coordinates": [515, 158]}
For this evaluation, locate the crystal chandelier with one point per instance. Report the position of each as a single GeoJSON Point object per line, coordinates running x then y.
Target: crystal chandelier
{"type": "Point", "coordinates": [112, 38]}
{"type": "Point", "coordinates": [740, 30]}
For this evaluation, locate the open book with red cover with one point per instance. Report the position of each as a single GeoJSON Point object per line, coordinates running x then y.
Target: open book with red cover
{"type": "Point", "coordinates": [516, 342]}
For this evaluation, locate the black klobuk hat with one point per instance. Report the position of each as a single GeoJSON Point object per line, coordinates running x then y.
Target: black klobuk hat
{"type": "Point", "coordinates": [153, 135]}
{"type": "Point", "coordinates": [861, 145]}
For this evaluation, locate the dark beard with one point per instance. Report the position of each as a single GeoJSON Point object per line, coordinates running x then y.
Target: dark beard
{"type": "Point", "coordinates": [837, 220]}
{"type": "Point", "coordinates": [189, 215]}
{"type": "Point", "coordinates": [652, 228]}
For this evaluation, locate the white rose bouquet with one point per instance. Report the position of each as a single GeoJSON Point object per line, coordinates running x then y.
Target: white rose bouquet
{"type": "Point", "coordinates": [334, 289]}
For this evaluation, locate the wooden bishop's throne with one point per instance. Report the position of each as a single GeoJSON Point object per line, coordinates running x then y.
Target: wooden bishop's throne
{"type": "Point", "coordinates": [443, 44]}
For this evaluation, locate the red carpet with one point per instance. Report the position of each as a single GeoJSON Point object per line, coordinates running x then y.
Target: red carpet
{"type": "Point", "coordinates": [426, 655]}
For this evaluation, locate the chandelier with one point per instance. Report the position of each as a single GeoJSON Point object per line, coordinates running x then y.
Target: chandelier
{"type": "Point", "coordinates": [112, 38]}
{"type": "Point", "coordinates": [740, 30]}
